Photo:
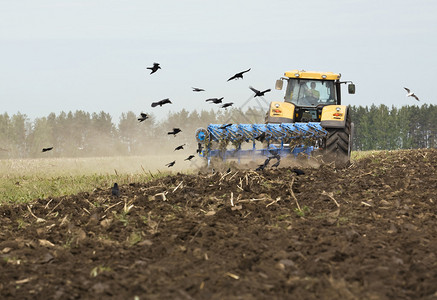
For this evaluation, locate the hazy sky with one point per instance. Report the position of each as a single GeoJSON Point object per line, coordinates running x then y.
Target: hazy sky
{"type": "Point", "coordinates": [92, 54]}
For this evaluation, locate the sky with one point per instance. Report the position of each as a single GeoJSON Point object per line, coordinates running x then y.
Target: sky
{"type": "Point", "coordinates": [92, 55]}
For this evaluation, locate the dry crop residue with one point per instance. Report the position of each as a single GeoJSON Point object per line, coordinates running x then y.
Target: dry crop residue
{"type": "Point", "coordinates": [365, 232]}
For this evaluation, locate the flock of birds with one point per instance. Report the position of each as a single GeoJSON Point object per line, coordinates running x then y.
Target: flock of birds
{"type": "Point", "coordinates": [143, 116]}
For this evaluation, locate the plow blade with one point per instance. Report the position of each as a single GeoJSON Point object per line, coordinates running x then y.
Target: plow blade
{"type": "Point", "coordinates": [277, 139]}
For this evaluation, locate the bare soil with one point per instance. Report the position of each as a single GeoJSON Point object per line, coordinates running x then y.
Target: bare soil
{"type": "Point", "coordinates": [368, 231]}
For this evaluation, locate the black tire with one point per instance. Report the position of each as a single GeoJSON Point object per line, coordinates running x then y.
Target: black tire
{"type": "Point", "coordinates": [339, 144]}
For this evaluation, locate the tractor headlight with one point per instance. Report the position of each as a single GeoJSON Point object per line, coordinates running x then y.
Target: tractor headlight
{"type": "Point", "coordinates": [338, 108]}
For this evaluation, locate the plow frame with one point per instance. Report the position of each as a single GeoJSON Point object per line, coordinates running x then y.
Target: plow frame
{"type": "Point", "coordinates": [283, 139]}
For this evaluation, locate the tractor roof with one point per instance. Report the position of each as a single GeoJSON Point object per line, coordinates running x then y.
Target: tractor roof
{"type": "Point", "coordinates": [312, 75]}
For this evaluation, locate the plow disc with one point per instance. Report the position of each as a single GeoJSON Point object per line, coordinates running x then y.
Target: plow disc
{"type": "Point", "coordinates": [229, 140]}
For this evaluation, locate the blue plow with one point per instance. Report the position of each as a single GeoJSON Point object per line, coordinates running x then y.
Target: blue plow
{"type": "Point", "coordinates": [281, 139]}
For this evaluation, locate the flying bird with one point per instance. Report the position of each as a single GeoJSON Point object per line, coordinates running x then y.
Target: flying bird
{"type": "Point", "coordinates": [46, 149]}
{"type": "Point", "coordinates": [225, 126]}
{"type": "Point", "coordinates": [162, 102]}
{"type": "Point", "coordinates": [171, 164]}
{"type": "Point", "coordinates": [154, 68]}
{"type": "Point", "coordinates": [143, 117]}
{"type": "Point", "coordinates": [227, 104]}
{"type": "Point", "coordinates": [197, 89]}
{"type": "Point", "coordinates": [189, 157]}
{"type": "Point", "coordinates": [259, 93]}
{"type": "Point", "coordinates": [239, 75]}
{"type": "Point", "coordinates": [261, 137]}
{"type": "Point", "coordinates": [175, 131]}
{"type": "Point", "coordinates": [115, 191]}
{"type": "Point", "coordinates": [215, 100]}
{"type": "Point", "coordinates": [179, 147]}
{"type": "Point", "coordinates": [410, 94]}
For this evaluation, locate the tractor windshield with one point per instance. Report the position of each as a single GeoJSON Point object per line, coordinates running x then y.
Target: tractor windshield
{"type": "Point", "coordinates": [309, 92]}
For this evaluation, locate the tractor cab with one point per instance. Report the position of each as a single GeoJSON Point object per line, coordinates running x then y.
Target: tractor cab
{"type": "Point", "coordinates": [310, 92]}
{"type": "Point", "coordinates": [305, 96]}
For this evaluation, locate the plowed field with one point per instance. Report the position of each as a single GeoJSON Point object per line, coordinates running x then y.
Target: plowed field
{"type": "Point", "coordinates": [368, 231]}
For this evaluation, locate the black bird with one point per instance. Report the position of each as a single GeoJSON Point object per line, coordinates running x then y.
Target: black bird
{"type": "Point", "coordinates": [215, 100]}
{"type": "Point", "coordinates": [199, 148]}
{"type": "Point", "coordinates": [171, 164]}
{"type": "Point", "coordinates": [162, 102]}
{"type": "Point", "coordinates": [175, 131]}
{"type": "Point", "coordinates": [46, 149]}
{"type": "Point", "coordinates": [298, 171]}
{"type": "Point", "coordinates": [154, 68]}
{"type": "Point", "coordinates": [227, 104]}
{"type": "Point", "coordinates": [261, 137]}
{"type": "Point", "coordinates": [197, 89]}
{"type": "Point", "coordinates": [224, 126]}
{"type": "Point", "coordinates": [115, 191]}
{"type": "Point", "coordinates": [238, 75]}
{"type": "Point", "coordinates": [229, 170]}
{"type": "Point", "coordinates": [259, 93]}
{"type": "Point", "coordinates": [189, 157]}
{"type": "Point", "coordinates": [143, 117]}
{"type": "Point", "coordinates": [179, 147]}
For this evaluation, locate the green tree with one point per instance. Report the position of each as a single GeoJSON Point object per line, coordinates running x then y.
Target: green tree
{"type": "Point", "coordinates": [102, 133]}
{"type": "Point", "coordinates": [40, 137]}
{"type": "Point", "coordinates": [5, 139]}
{"type": "Point", "coordinates": [403, 125]}
{"type": "Point", "coordinates": [18, 132]}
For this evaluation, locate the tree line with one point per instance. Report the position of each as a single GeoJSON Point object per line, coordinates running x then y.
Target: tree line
{"type": "Point", "coordinates": [384, 128]}
{"type": "Point", "coordinates": [82, 134]}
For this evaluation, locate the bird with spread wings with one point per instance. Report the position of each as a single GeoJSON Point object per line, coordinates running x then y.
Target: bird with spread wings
{"type": "Point", "coordinates": [411, 94]}
{"type": "Point", "coordinates": [239, 75]}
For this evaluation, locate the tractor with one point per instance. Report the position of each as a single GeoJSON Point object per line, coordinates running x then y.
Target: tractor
{"type": "Point", "coordinates": [310, 120]}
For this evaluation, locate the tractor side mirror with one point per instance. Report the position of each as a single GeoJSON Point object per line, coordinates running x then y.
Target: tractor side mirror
{"type": "Point", "coordinates": [279, 84]}
{"type": "Point", "coordinates": [351, 88]}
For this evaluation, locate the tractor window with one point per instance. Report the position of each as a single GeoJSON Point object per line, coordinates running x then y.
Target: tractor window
{"type": "Point", "coordinates": [307, 92]}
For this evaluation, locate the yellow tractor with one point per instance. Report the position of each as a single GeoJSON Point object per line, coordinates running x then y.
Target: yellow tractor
{"type": "Point", "coordinates": [311, 119]}
{"type": "Point", "coordinates": [316, 97]}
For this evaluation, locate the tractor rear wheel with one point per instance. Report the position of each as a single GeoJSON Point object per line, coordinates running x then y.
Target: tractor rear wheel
{"type": "Point", "coordinates": [339, 143]}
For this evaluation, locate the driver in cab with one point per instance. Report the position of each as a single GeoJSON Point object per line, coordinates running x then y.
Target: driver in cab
{"type": "Point", "coordinates": [313, 92]}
